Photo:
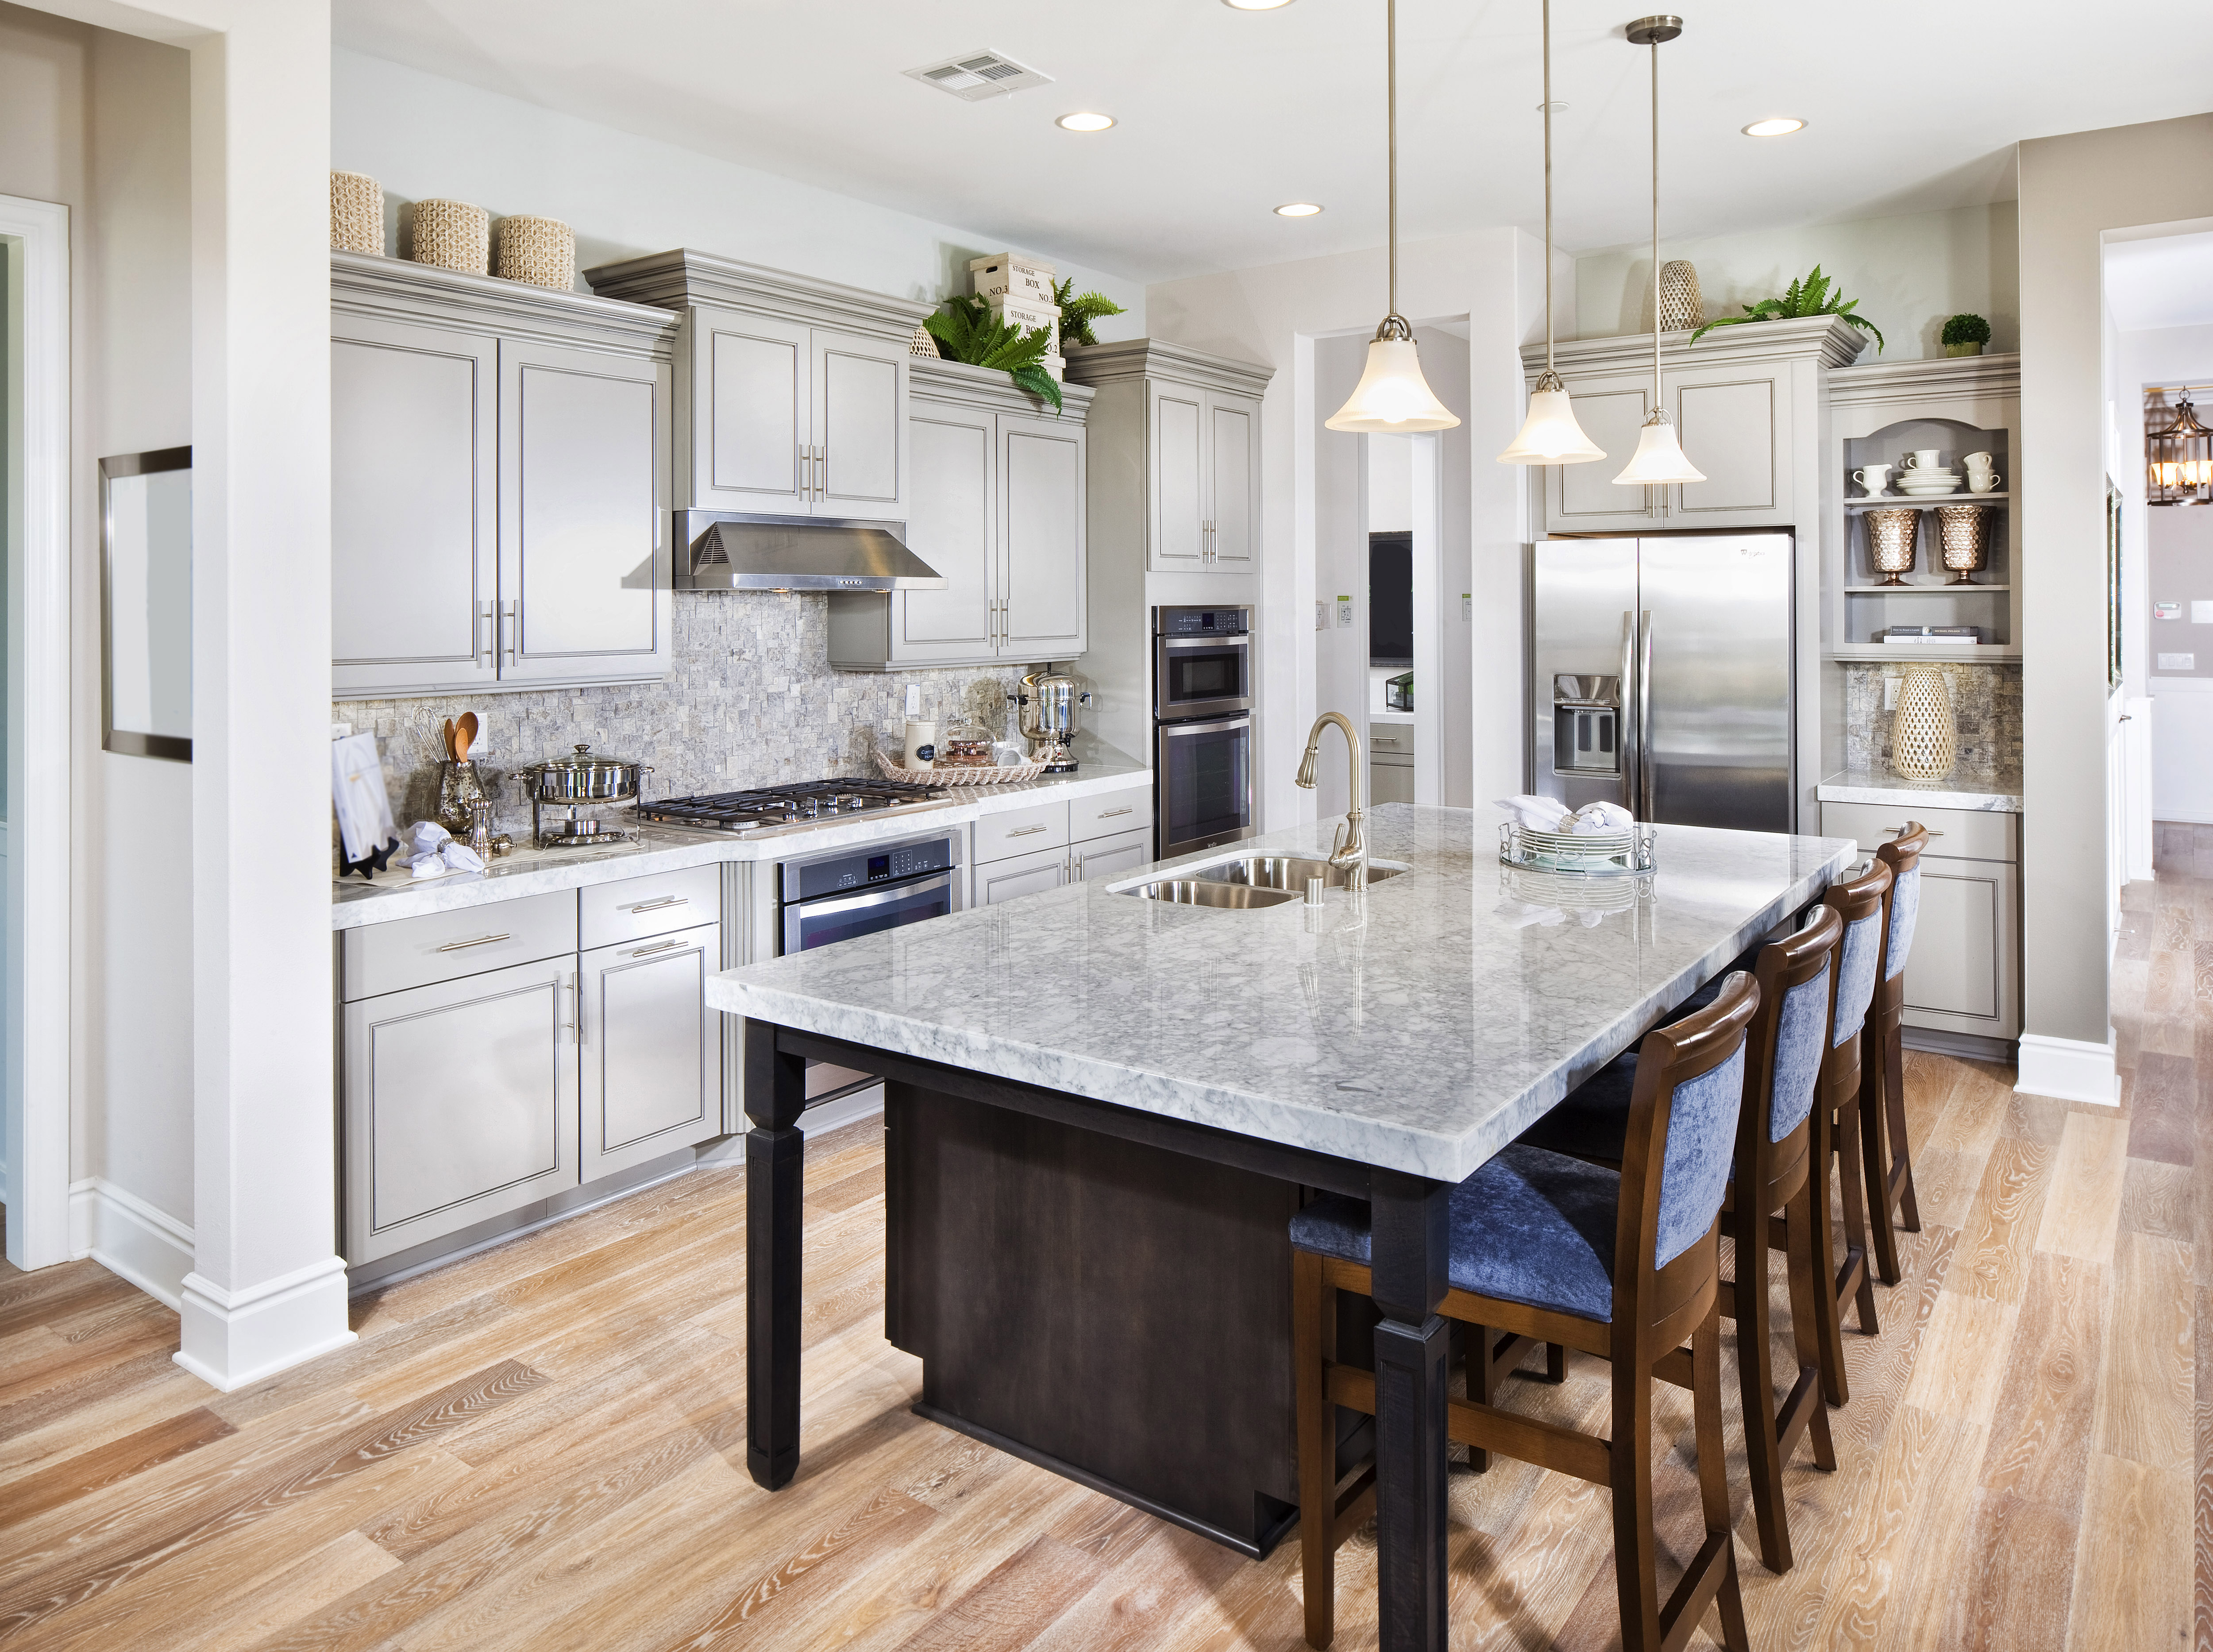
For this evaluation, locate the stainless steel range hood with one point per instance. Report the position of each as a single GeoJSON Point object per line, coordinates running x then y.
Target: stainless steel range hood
{"type": "Point", "coordinates": [725, 551]}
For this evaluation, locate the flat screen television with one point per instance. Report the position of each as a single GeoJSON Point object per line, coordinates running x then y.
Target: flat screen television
{"type": "Point", "coordinates": [1391, 599]}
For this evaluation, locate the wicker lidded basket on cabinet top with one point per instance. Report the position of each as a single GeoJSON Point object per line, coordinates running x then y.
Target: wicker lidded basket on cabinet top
{"type": "Point", "coordinates": [452, 235]}
{"type": "Point", "coordinates": [357, 213]}
{"type": "Point", "coordinates": [541, 251]}
{"type": "Point", "coordinates": [1681, 304]}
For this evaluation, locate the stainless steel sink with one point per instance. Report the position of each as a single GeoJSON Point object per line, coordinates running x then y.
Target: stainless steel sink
{"type": "Point", "coordinates": [1285, 872]}
{"type": "Point", "coordinates": [1190, 892]}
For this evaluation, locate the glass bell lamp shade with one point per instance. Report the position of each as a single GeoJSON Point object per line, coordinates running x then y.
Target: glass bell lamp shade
{"type": "Point", "coordinates": [1393, 398]}
{"type": "Point", "coordinates": [1659, 457]}
{"type": "Point", "coordinates": [1550, 436]}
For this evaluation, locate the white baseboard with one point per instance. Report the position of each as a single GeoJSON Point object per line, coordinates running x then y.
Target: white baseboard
{"type": "Point", "coordinates": [131, 1239]}
{"type": "Point", "coordinates": [2069, 1069]}
{"type": "Point", "coordinates": [234, 1338]}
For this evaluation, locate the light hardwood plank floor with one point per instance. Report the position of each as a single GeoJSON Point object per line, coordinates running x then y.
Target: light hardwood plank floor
{"type": "Point", "coordinates": [543, 1446]}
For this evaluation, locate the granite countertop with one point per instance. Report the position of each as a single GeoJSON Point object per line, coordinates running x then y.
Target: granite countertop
{"type": "Point", "coordinates": [1420, 1026]}
{"type": "Point", "coordinates": [1998, 793]}
{"type": "Point", "coordinates": [530, 871]}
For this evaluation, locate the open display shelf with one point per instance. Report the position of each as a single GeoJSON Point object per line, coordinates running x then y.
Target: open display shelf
{"type": "Point", "coordinates": [1963, 498]}
{"type": "Point", "coordinates": [1866, 606]}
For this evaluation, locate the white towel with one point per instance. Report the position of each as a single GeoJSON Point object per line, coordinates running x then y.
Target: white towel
{"type": "Point", "coordinates": [1595, 818]}
{"type": "Point", "coordinates": [364, 810]}
{"type": "Point", "coordinates": [1537, 813]}
{"type": "Point", "coordinates": [427, 850]}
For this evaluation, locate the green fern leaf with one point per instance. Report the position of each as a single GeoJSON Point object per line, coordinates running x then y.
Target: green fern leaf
{"type": "Point", "coordinates": [1040, 384]}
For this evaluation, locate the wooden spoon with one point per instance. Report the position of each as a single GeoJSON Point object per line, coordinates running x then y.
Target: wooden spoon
{"type": "Point", "coordinates": [465, 734]}
{"type": "Point", "coordinates": [449, 740]}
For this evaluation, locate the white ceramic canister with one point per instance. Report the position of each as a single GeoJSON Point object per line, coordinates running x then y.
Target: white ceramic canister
{"type": "Point", "coordinates": [921, 746]}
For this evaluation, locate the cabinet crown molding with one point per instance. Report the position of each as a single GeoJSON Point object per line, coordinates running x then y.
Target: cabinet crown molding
{"type": "Point", "coordinates": [1823, 339]}
{"type": "Point", "coordinates": [397, 289]}
{"type": "Point", "coordinates": [1158, 358]}
{"type": "Point", "coordinates": [933, 379]}
{"type": "Point", "coordinates": [683, 277]}
{"type": "Point", "coordinates": [1940, 378]}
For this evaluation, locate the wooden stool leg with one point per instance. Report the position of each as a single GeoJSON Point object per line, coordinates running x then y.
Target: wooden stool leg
{"type": "Point", "coordinates": [1555, 1362]}
{"type": "Point", "coordinates": [1756, 1384]}
{"type": "Point", "coordinates": [1317, 1448]}
{"type": "Point", "coordinates": [1875, 1167]}
{"type": "Point", "coordinates": [1713, 1472]}
{"type": "Point", "coordinates": [1635, 1552]}
{"type": "Point", "coordinates": [1898, 1175]}
{"type": "Point", "coordinates": [1853, 1190]}
{"type": "Point", "coordinates": [1821, 1243]}
{"type": "Point", "coordinates": [1476, 1352]}
{"type": "Point", "coordinates": [1806, 1313]}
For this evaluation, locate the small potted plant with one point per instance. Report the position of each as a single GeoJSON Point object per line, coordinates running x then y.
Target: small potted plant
{"type": "Point", "coordinates": [1966, 335]}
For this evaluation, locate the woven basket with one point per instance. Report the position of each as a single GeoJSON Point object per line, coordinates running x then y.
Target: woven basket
{"type": "Point", "coordinates": [1925, 741]}
{"type": "Point", "coordinates": [944, 777]}
{"type": "Point", "coordinates": [541, 251]}
{"type": "Point", "coordinates": [357, 213]}
{"type": "Point", "coordinates": [924, 343]}
{"type": "Point", "coordinates": [452, 235]}
{"type": "Point", "coordinates": [1681, 305]}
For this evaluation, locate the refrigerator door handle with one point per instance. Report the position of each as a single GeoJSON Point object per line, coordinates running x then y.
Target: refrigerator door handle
{"type": "Point", "coordinates": [1632, 751]}
{"type": "Point", "coordinates": [1645, 778]}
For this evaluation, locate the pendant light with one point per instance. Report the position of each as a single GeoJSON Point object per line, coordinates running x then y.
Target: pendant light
{"type": "Point", "coordinates": [1550, 436]}
{"type": "Point", "coordinates": [1393, 398]}
{"type": "Point", "coordinates": [1659, 452]}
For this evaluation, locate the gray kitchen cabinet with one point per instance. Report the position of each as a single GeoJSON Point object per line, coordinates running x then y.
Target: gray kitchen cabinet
{"type": "Point", "coordinates": [997, 507]}
{"type": "Point", "coordinates": [414, 571]}
{"type": "Point", "coordinates": [460, 1103]}
{"type": "Point", "coordinates": [860, 428]}
{"type": "Point", "coordinates": [499, 458]}
{"type": "Point", "coordinates": [650, 1049]}
{"type": "Point", "coordinates": [1026, 850]}
{"type": "Point", "coordinates": [1021, 875]}
{"type": "Point", "coordinates": [1110, 857]}
{"type": "Point", "coordinates": [1176, 438]}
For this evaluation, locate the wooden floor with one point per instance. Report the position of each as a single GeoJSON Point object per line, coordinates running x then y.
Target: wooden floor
{"type": "Point", "coordinates": [543, 1447]}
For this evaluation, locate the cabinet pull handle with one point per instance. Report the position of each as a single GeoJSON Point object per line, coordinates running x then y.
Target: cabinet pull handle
{"type": "Point", "coordinates": [481, 940]}
{"type": "Point", "coordinates": [511, 622]}
{"type": "Point", "coordinates": [489, 653]}
{"type": "Point", "coordinates": [1108, 815]}
{"type": "Point", "coordinates": [1900, 830]}
{"type": "Point", "coordinates": [658, 946]}
{"type": "Point", "coordinates": [575, 998]}
{"type": "Point", "coordinates": [822, 473]}
{"type": "Point", "coordinates": [1024, 832]}
{"type": "Point", "coordinates": [665, 900]}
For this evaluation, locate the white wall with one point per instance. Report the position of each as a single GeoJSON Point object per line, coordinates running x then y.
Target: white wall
{"type": "Point", "coordinates": [422, 135]}
{"type": "Point", "coordinates": [1390, 479]}
{"type": "Point", "coordinates": [1908, 273]}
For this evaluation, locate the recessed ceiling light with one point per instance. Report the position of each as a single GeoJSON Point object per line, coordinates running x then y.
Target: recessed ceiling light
{"type": "Point", "coordinates": [1295, 209]}
{"type": "Point", "coordinates": [1254, 5]}
{"type": "Point", "coordinates": [1084, 121]}
{"type": "Point", "coordinates": [1774, 128]}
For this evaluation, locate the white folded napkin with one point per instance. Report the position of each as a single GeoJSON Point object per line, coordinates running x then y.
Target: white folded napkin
{"type": "Point", "coordinates": [364, 809]}
{"type": "Point", "coordinates": [1537, 813]}
{"type": "Point", "coordinates": [427, 850]}
{"type": "Point", "coordinates": [1595, 818]}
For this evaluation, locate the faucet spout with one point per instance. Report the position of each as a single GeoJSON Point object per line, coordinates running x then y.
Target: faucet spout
{"type": "Point", "coordinates": [1351, 848]}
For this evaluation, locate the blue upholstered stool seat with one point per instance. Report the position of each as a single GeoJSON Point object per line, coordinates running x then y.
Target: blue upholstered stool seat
{"type": "Point", "coordinates": [1530, 1227]}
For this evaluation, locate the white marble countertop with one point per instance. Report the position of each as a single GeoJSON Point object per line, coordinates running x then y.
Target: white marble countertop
{"type": "Point", "coordinates": [1993, 794]}
{"type": "Point", "coordinates": [528, 871]}
{"type": "Point", "coordinates": [1420, 1026]}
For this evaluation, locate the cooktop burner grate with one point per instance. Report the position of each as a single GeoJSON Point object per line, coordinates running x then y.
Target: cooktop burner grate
{"type": "Point", "coordinates": [812, 799]}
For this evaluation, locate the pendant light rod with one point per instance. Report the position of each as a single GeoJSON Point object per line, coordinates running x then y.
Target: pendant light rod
{"type": "Point", "coordinates": [1551, 376]}
{"type": "Point", "coordinates": [1653, 33]}
{"type": "Point", "coordinates": [1391, 124]}
{"type": "Point", "coordinates": [1660, 458]}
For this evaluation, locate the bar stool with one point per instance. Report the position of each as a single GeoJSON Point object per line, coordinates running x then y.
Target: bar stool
{"type": "Point", "coordinates": [1772, 1172]}
{"type": "Point", "coordinates": [1623, 1265]}
{"type": "Point", "coordinates": [1882, 1084]}
{"type": "Point", "coordinates": [1837, 1153]}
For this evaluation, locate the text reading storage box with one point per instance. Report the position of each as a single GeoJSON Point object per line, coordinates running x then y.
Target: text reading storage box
{"type": "Point", "coordinates": [1011, 272]}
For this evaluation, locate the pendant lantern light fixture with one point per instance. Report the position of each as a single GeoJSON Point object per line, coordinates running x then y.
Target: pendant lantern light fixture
{"type": "Point", "coordinates": [2178, 459]}
{"type": "Point", "coordinates": [1550, 436]}
{"type": "Point", "coordinates": [1659, 451]}
{"type": "Point", "coordinates": [1393, 398]}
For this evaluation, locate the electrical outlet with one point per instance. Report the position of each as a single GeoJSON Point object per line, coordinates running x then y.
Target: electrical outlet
{"type": "Point", "coordinates": [1343, 611]}
{"type": "Point", "coordinates": [2178, 662]}
{"type": "Point", "coordinates": [1466, 606]}
{"type": "Point", "coordinates": [914, 702]}
{"type": "Point", "coordinates": [1890, 694]}
{"type": "Point", "coordinates": [1321, 614]}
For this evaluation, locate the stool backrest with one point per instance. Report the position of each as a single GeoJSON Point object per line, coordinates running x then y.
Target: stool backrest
{"type": "Point", "coordinates": [1859, 902]}
{"type": "Point", "coordinates": [1902, 855]}
{"type": "Point", "coordinates": [1789, 1034]}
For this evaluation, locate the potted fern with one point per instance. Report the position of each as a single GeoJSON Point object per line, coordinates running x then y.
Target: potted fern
{"type": "Point", "coordinates": [967, 330]}
{"type": "Point", "coordinates": [1817, 294]}
{"type": "Point", "coordinates": [1078, 311]}
{"type": "Point", "coordinates": [1966, 335]}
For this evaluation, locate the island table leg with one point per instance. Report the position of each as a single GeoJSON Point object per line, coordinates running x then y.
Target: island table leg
{"type": "Point", "coordinates": [775, 1093]}
{"type": "Point", "coordinates": [1411, 1268]}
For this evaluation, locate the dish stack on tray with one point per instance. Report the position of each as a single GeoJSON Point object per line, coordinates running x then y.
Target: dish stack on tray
{"type": "Point", "coordinates": [1019, 290]}
{"type": "Point", "coordinates": [1626, 850]}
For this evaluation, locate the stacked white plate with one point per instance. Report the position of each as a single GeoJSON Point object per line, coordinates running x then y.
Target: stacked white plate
{"type": "Point", "coordinates": [1926, 484]}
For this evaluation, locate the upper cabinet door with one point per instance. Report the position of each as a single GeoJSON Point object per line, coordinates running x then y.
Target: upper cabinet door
{"type": "Point", "coordinates": [752, 411]}
{"type": "Point", "coordinates": [1178, 418]}
{"type": "Point", "coordinates": [1041, 555]}
{"type": "Point", "coordinates": [860, 430]}
{"type": "Point", "coordinates": [414, 507]}
{"type": "Point", "coordinates": [1233, 447]}
{"type": "Point", "coordinates": [1735, 427]}
{"type": "Point", "coordinates": [951, 525]}
{"type": "Point", "coordinates": [583, 529]}
{"type": "Point", "coordinates": [1585, 498]}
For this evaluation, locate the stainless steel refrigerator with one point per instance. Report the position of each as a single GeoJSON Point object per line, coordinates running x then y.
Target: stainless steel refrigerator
{"type": "Point", "coordinates": [1659, 677]}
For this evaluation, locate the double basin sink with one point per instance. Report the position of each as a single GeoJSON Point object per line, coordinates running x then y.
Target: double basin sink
{"type": "Point", "coordinates": [1252, 880]}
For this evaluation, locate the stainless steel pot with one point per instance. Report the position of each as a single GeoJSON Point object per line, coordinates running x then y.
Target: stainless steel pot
{"type": "Point", "coordinates": [1050, 705]}
{"type": "Point", "coordinates": [583, 778]}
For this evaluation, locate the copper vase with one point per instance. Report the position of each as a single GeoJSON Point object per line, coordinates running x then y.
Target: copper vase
{"type": "Point", "coordinates": [1890, 535]}
{"type": "Point", "coordinates": [1965, 531]}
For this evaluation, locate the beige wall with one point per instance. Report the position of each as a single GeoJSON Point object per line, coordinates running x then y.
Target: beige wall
{"type": "Point", "coordinates": [2073, 189]}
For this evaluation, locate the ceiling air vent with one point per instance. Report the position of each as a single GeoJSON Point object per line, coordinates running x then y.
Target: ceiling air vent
{"type": "Point", "coordinates": [975, 75]}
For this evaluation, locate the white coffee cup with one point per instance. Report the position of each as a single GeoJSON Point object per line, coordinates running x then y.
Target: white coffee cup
{"type": "Point", "coordinates": [921, 746]}
{"type": "Point", "coordinates": [1978, 462]}
{"type": "Point", "coordinates": [1924, 459]}
{"type": "Point", "coordinates": [1873, 478]}
{"type": "Point", "coordinates": [1982, 481]}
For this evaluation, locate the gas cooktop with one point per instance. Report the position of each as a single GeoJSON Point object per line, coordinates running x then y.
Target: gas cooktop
{"type": "Point", "coordinates": [817, 801]}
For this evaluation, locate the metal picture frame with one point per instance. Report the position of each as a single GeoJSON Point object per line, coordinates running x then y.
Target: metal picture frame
{"type": "Point", "coordinates": [2113, 585]}
{"type": "Point", "coordinates": [157, 568]}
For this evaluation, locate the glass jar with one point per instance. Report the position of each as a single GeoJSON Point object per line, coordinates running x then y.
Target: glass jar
{"type": "Point", "coordinates": [966, 744]}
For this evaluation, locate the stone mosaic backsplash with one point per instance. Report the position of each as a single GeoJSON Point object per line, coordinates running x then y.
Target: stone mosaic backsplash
{"type": "Point", "coordinates": [751, 701]}
{"type": "Point", "coordinates": [1986, 706]}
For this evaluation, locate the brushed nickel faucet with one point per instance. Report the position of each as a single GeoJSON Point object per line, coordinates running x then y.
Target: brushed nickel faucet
{"type": "Point", "coordinates": [1349, 850]}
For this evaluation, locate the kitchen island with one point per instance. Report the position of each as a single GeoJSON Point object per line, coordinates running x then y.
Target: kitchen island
{"type": "Point", "coordinates": [1103, 1110]}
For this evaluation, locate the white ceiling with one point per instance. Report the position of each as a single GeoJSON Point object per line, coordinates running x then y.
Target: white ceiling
{"type": "Point", "coordinates": [2162, 283]}
{"type": "Point", "coordinates": [1224, 113]}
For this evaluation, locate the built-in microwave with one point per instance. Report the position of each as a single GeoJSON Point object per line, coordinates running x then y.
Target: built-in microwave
{"type": "Point", "coordinates": [1202, 662]}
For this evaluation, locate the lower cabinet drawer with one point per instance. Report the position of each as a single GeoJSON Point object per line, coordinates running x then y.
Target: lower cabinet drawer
{"type": "Point", "coordinates": [1110, 857]}
{"type": "Point", "coordinates": [608, 913]}
{"type": "Point", "coordinates": [1021, 875]}
{"type": "Point", "coordinates": [1954, 833]}
{"type": "Point", "coordinates": [1110, 813]}
{"type": "Point", "coordinates": [650, 1049]}
{"type": "Point", "coordinates": [459, 1104]}
{"type": "Point", "coordinates": [412, 952]}
{"type": "Point", "coordinates": [1022, 831]}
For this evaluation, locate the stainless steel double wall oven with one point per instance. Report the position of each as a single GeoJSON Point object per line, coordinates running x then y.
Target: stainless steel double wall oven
{"type": "Point", "coordinates": [1202, 726]}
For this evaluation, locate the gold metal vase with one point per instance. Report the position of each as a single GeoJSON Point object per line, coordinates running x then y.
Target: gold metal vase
{"type": "Point", "coordinates": [1924, 741]}
{"type": "Point", "coordinates": [1891, 534]}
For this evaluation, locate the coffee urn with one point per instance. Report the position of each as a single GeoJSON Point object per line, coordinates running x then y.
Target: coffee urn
{"type": "Point", "coordinates": [1048, 707]}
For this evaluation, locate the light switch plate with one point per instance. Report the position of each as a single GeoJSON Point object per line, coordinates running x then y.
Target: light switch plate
{"type": "Point", "coordinates": [2201, 613]}
{"type": "Point", "coordinates": [1466, 606]}
{"type": "Point", "coordinates": [1343, 611]}
{"type": "Point", "coordinates": [1321, 614]}
{"type": "Point", "coordinates": [2171, 610]}
{"type": "Point", "coordinates": [2178, 662]}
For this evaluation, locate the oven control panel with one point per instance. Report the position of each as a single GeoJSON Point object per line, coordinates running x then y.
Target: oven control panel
{"type": "Point", "coordinates": [859, 868]}
{"type": "Point", "coordinates": [1202, 622]}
